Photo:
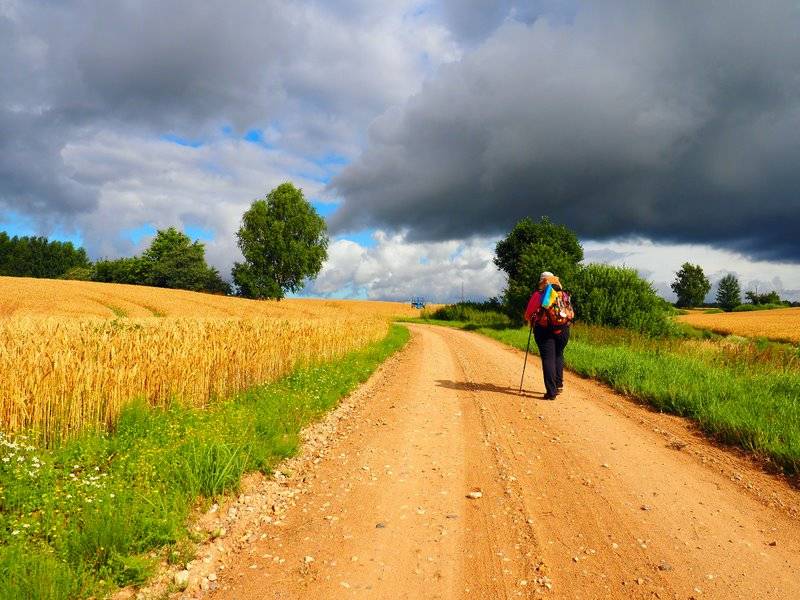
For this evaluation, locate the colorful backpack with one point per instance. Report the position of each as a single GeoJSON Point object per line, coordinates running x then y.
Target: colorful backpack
{"type": "Point", "coordinates": [556, 311]}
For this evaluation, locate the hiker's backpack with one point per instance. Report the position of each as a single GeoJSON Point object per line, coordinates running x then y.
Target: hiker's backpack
{"type": "Point", "coordinates": [558, 312]}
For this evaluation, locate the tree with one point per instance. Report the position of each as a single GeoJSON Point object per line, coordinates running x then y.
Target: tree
{"type": "Point", "coordinates": [729, 294]}
{"type": "Point", "coordinates": [533, 260]}
{"type": "Point", "coordinates": [531, 248]}
{"type": "Point", "coordinates": [766, 298]}
{"type": "Point", "coordinates": [38, 257]}
{"type": "Point", "coordinates": [527, 234]}
{"type": "Point", "coordinates": [174, 261]}
{"type": "Point", "coordinates": [691, 285]}
{"type": "Point", "coordinates": [171, 261]}
{"type": "Point", "coordinates": [284, 243]}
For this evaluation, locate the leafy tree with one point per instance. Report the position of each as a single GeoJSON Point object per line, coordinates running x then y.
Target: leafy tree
{"type": "Point", "coordinates": [171, 261]}
{"type": "Point", "coordinates": [174, 261]}
{"type": "Point", "coordinates": [766, 298]}
{"type": "Point", "coordinates": [535, 259]}
{"type": "Point", "coordinates": [283, 241]}
{"type": "Point", "coordinates": [38, 257]}
{"type": "Point", "coordinates": [527, 234]}
{"type": "Point", "coordinates": [729, 294]}
{"type": "Point", "coordinates": [691, 285]}
{"type": "Point", "coordinates": [528, 250]}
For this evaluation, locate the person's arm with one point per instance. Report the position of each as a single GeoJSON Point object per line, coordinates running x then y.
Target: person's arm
{"type": "Point", "coordinates": [534, 304]}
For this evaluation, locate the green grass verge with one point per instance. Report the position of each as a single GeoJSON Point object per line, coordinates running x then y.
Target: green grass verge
{"type": "Point", "coordinates": [98, 512]}
{"type": "Point", "coordinates": [745, 394]}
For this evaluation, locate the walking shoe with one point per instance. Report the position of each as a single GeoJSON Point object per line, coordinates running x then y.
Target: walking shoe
{"type": "Point", "coordinates": [549, 396]}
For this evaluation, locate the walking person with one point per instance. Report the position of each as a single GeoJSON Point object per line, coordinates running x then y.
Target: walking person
{"type": "Point", "coordinates": [550, 313]}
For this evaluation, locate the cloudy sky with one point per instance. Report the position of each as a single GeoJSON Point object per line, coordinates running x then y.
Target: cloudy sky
{"type": "Point", "coordinates": [422, 130]}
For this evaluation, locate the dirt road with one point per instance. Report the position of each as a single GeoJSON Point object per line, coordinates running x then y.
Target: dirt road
{"type": "Point", "coordinates": [589, 496]}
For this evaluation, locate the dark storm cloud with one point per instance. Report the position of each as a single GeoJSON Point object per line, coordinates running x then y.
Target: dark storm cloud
{"type": "Point", "coordinates": [671, 120]}
{"type": "Point", "coordinates": [74, 69]}
{"type": "Point", "coordinates": [473, 20]}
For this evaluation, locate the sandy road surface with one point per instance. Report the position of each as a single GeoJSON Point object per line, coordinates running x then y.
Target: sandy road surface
{"type": "Point", "coordinates": [589, 496]}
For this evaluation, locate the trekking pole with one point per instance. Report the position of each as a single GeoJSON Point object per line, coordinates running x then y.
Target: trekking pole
{"type": "Point", "coordinates": [525, 364]}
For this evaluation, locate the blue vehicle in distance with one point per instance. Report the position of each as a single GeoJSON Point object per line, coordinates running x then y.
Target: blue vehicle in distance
{"type": "Point", "coordinates": [418, 302]}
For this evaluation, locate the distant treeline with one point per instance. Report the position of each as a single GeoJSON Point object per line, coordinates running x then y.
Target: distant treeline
{"type": "Point", "coordinates": [173, 260]}
{"type": "Point", "coordinates": [692, 286]}
{"type": "Point", "coordinates": [38, 257]}
{"type": "Point", "coordinates": [282, 238]}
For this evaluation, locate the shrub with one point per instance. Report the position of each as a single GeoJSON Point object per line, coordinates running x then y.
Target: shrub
{"type": "Point", "coordinates": [618, 297]}
{"type": "Point", "coordinates": [752, 307]}
{"type": "Point", "coordinates": [483, 314]}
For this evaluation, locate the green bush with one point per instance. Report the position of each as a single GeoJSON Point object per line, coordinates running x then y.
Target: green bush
{"type": "Point", "coordinates": [78, 274]}
{"type": "Point", "coordinates": [618, 297]}
{"type": "Point", "coordinates": [752, 307]}
{"type": "Point", "coordinates": [480, 314]}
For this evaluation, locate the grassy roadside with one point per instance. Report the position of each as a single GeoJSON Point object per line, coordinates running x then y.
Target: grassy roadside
{"type": "Point", "coordinates": [98, 512]}
{"type": "Point", "coordinates": [740, 392]}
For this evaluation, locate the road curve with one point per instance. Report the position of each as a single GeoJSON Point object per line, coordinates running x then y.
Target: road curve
{"type": "Point", "coordinates": [589, 496]}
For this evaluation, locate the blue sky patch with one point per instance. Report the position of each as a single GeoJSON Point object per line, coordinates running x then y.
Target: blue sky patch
{"type": "Point", "coordinates": [137, 234]}
{"type": "Point", "coordinates": [181, 141]}
{"type": "Point", "coordinates": [199, 233]}
{"type": "Point", "coordinates": [255, 136]}
{"type": "Point", "coordinates": [325, 209]}
{"type": "Point", "coordinates": [15, 224]}
{"type": "Point", "coordinates": [362, 238]}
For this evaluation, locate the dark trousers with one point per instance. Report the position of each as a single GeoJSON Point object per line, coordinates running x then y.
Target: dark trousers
{"type": "Point", "coordinates": [551, 349]}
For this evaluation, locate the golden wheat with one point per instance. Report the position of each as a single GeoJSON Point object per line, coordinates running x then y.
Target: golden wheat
{"type": "Point", "coordinates": [72, 354]}
{"type": "Point", "coordinates": [778, 324]}
{"type": "Point", "coordinates": [26, 297]}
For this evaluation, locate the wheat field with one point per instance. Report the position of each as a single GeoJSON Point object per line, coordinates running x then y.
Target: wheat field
{"type": "Point", "coordinates": [779, 324]}
{"type": "Point", "coordinates": [73, 354]}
